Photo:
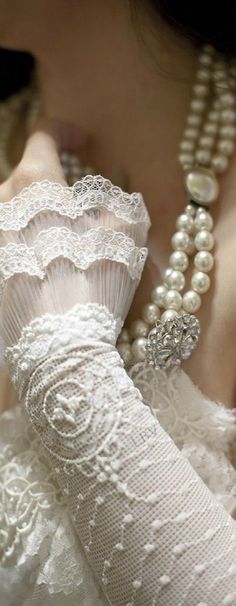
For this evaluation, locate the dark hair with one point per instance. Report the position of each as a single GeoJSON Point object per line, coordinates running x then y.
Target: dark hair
{"type": "Point", "coordinates": [16, 70]}
{"type": "Point", "coordinates": [201, 21]}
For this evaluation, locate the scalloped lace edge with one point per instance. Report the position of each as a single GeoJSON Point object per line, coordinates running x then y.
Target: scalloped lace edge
{"type": "Point", "coordinates": [82, 250]}
{"type": "Point", "coordinates": [72, 201]}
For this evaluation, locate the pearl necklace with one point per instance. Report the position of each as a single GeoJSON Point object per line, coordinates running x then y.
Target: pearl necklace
{"type": "Point", "coordinates": [207, 143]}
{"type": "Point", "coordinates": [168, 330]}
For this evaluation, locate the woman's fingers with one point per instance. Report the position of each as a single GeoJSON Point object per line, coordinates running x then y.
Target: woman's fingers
{"type": "Point", "coordinates": [40, 159]}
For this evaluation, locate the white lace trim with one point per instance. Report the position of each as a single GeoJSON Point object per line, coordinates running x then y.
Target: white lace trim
{"type": "Point", "coordinates": [50, 334]}
{"type": "Point", "coordinates": [92, 191]}
{"type": "Point", "coordinates": [82, 250]}
{"type": "Point", "coordinates": [39, 550]}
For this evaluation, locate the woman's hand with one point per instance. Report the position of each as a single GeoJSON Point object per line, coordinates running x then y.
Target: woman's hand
{"type": "Point", "coordinates": [48, 231]}
{"type": "Point", "coordinates": [40, 160]}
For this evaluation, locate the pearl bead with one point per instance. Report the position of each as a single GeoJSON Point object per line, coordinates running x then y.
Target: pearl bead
{"type": "Point", "coordinates": [227, 131]}
{"type": "Point", "coordinates": [190, 250]}
{"type": "Point", "coordinates": [219, 163]}
{"type": "Point", "coordinates": [203, 261]}
{"type": "Point", "coordinates": [176, 280]}
{"type": "Point", "coordinates": [138, 348]}
{"type": "Point", "coordinates": [169, 314]}
{"type": "Point", "coordinates": [226, 147]}
{"type": "Point", "coordinates": [124, 336]}
{"type": "Point", "coordinates": [206, 142]}
{"type": "Point", "coordinates": [124, 350]}
{"type": "Point", "coordinates": [203, 220]}
{"type": "Point", "coordinates": [219, 77]}
{"type": "Point", "coordinates": [191, 301]}
{"type": "Point", "coordinates": [191, 133]}
{"type": "Point", "coordinates": [138, 329]}
{"type": "Point", "coordinates": [204, 240]}
{"type": "Point", "coordinates": [194, 120]}
{"type": "Point", "coordinates": [202, 185]}
{"type": "Point", "coordinates": [200, 90]}
{"type": "Point", "coordinates": [187, 146]}
{"type": "Point", "coordinates": [167, 274]}
{"type": "Point", "coordinates": [204, 75]}
{"type": "Point", "coordinates": [200, 282]}
{"type": "Point", "coordinates": [197, 105]}
{"type": "Point", "coordinates": [158, 295]}
{"type": "Point", "coordinates": [214, 116]}
{"type": "Point", "coordinates": [173, 300]}
{"type": "Point", "coordinates": [227, 99]}
{"type": "Point", "coordinates": [179, 260]}
{"type": "Point", "coordinates": [210, 128]}
{"type": "Point", "coordinates": [190, 210]}
{"type": "Point", "coordinates": [150, 313]}
{"type": "Point", "coordinates": [180, 240]}
{"type": "Point", "coordinates": [185, 223]}
{"type": "Point", "coordinates": [228, 116]}
{"type": "Point", "coordinates": [203, 156]}
{"type": "Point", "coordinates": [205, 59]}
{"type": "Point", "coordinates": [186, 159]}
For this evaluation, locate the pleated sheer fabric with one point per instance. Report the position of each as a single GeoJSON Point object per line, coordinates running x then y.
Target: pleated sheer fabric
{"type": "Point", "coordinates": [150, 529]}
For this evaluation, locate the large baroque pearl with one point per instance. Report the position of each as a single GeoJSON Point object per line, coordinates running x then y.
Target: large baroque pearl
{"type": "Point", "coordinates": [202, 185]}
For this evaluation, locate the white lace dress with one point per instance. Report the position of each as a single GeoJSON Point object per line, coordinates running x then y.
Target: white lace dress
{"type": "Point", "coordinates": [43, 561]}
{"type": "Point", "coordinates": [116, 488]}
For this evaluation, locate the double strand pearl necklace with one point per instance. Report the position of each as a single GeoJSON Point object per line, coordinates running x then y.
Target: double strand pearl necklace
{"type": "Point", "coordinates": [168, 330]}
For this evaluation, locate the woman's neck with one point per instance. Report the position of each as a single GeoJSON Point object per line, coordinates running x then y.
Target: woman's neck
{"type": "Point", "coordinates": [132, 98]}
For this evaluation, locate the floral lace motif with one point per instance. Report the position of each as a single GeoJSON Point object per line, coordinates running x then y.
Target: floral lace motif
{"type": "Point", "coordinates": [165, 539]}
{"type": "Point", "coordinates": [92, 191]}
{"type": "Point", "coordinates": [50, 334]}
{"type": "Point", "coordinates": [82, 250]}
{"type": "Point", "coordinates": [204, 431]}
{"type": "Point", "coordinates": [40, 555]}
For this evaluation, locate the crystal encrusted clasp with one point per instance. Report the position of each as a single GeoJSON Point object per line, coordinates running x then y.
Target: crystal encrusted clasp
{"type": "Point", "coordinates": [172, 341]}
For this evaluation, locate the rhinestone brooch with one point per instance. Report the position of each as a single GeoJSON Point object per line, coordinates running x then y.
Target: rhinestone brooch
{"type": "Point", "coordinates": [172, 341]}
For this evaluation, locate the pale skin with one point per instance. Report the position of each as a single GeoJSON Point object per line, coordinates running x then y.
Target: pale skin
{"type": "Point", "coordinates": [126, 100]}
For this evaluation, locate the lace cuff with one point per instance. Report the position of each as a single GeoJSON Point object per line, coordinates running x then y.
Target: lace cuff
{"type": "Point", "coordinates": [66, 245]}
{"type": "Point", "coordinates": [54, 334]}
{"type": "Point", "coordinates": [91, 192]}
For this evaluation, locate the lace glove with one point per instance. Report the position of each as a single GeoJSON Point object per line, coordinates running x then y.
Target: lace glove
{"type": "Point", "coordinates": [152, 531]}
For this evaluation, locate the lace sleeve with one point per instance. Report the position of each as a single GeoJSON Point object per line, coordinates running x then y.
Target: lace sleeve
{"type": "Point", "coordinates": [152, 531]}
